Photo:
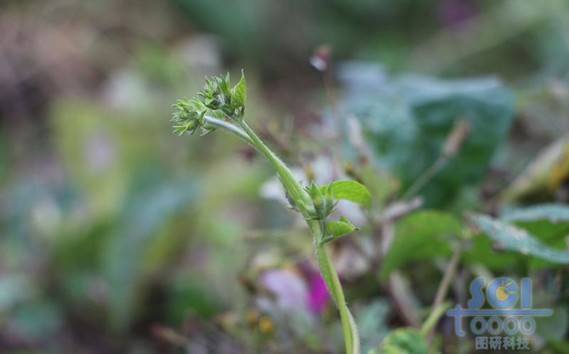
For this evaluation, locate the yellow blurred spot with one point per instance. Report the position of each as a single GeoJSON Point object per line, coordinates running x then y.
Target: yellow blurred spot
{"type": "Point", "coordinates": [266, 325]}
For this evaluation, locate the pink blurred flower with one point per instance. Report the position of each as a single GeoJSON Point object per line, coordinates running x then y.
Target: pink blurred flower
{"type": "Point", "coordinates": [303, 291]}
{"type": "Point", "coordinates": [318, 296]}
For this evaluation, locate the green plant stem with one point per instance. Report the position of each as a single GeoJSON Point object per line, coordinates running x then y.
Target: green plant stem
{"type": "Point", "coordinates": [349, 328]}
{"type": "Point", "coordinates": [219, 123]}
{"type": "Point", "coordinates": [304, 203]}
{"type": "Point", "coordinates": [433, 318]}
{"type": "Point", "coordinates": [295, 192]}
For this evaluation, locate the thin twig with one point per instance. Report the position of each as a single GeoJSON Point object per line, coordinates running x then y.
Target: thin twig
{"type": "Point", "coordinates": [426, 177]}
{"type": "Point", "coordinates": [443, 287]}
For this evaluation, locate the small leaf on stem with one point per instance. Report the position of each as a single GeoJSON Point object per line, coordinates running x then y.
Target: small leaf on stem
{"type": "Point", "coordinates": [352, 191]}
{"type": "Point", "coordinates": [337, 229]}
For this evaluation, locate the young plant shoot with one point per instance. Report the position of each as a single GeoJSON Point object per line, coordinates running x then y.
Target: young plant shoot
{"type": "Point", "coordinates": [218, 105]}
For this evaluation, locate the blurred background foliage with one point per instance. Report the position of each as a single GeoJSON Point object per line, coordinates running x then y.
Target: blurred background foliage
{"type": "Point", "coordinates": [118, 237]}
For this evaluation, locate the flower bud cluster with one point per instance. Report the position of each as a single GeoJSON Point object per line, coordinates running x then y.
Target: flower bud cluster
{"type": "Point", "coordinates": [217, 99]}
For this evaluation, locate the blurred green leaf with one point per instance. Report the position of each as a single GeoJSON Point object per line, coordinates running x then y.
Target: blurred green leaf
{"type": "Point", "coordinates": [127, 250]}
{"type": "Point", "coordinates": [407, 120]}
{"type": "Point", "coordinates": [352, 191]}
{"type": "Point", "coordinates": [92, 153]}
{"type": "Point", "coordinates": [554, 213]}
{"type": "Point", "coordinates": [554, 235]}
{"type": "Point", "coordinates": [481, 252]}
{"type": "Point", "coordinates": [190, 295]}
{"type": "Point", "coordinates": [424, 235]}
{"type": "Point", "coordinates": [240, 23]}
{"type": "Point", "coordinates": [515, 239]}
{"type": "Point", "coordinates": [372, 324]}
{"type": "Point", "coordinates": [157, 65]}
{"type": "Point", "coordinates": [404, 341]}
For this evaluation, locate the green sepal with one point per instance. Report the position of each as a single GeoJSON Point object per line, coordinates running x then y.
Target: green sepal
{"type": "Point", "coordinates": [337, 229]}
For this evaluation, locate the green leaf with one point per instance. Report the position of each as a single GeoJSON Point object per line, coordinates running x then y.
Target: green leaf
{"type": "Point", "coordinates": [126, 251]}
{"type": "Point", "coordinates": [515, 239]}
{"type": "Point", "coordinates": [421, 236]}
{"type": "Point", "coordinates": [372, 324]}
{"type": "Point", "coordinates": [551, 234]}
{"type": "Point", "coordinates": [481, 252]}
{"type": "Point", "coordinates": [352, 191]}
{"type": "Point", "coordinates": [337, 229]}
{"type": "Point", "coordinates": [240, 91]}
{"type": "Point", "coordinates": [406, 121]}
{"type": "Point", "coordinates": [404, 341]}
{"type": "Point", "coordinates": [554, 213]}
{"type": "Point", "coordinates": [551, 231]}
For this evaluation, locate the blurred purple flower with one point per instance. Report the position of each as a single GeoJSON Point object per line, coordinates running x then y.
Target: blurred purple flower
{"type": "Point", "coordinates": [318, 296]}
{"type": "Point", "coordinates": [303, 291]}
